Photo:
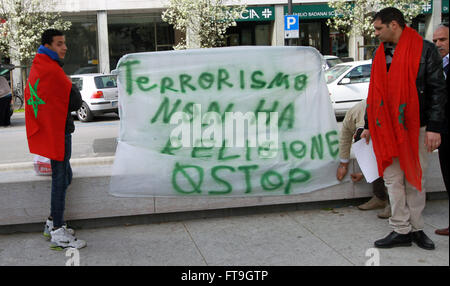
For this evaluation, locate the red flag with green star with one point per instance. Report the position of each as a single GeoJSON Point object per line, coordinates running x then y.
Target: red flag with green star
{"type": "Point", "coordinates": [47, 95]}
{"type": "Point", "coordinates": [393, 109]}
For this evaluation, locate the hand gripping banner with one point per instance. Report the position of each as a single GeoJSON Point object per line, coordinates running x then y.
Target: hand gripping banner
{"type": "Point", "coordinates": [239, 121]}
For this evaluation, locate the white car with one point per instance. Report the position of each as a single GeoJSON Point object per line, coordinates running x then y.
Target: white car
{"type": "Point", "coordinates": [348, 84]}
{"type": "Point", "coordinates": [331, 61]}
{"type": "Point", "coordinates": [99, 93]}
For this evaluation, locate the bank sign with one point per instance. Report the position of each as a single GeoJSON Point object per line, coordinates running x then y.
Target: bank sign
{"type": "Point", "coordinates": [323, 11]}
{"type": "Point", "coordinates": [258, 14]}
{"type": "Point", "coordinates": [306, 12]}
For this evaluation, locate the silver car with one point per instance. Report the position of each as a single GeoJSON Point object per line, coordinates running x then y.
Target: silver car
{"type": "Point", "coordinates": [99, 93]}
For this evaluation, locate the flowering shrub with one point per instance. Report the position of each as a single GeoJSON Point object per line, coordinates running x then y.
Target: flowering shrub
{"type": "Point", "coordinates": [207, 20]}
{"type": "Point", "coordinates": [357, 14]}
{"type": "Point", "coordinates": [25, 21]}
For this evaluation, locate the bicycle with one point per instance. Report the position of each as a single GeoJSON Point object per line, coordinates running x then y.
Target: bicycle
{"type": "Point", "coordinates": [18, 98]}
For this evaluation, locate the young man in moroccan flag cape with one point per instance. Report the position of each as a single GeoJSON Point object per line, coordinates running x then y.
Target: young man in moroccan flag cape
{"type": "Point", "coordinates": [49, 100]}
{"type": "Point", "coordinates": [404, 117]}
{"type": "Point", "coordinates": [46, 105]}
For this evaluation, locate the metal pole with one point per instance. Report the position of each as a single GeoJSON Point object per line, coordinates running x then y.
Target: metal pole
{"type": "Point", "coordinates": [290, 41]}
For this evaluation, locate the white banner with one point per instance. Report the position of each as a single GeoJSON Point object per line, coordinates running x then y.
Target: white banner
{"type": "Point", "coordinates": [239, 121]}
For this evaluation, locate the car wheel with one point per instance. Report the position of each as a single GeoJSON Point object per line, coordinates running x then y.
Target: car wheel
{"type": "Point", "coordinates": [84, 114]}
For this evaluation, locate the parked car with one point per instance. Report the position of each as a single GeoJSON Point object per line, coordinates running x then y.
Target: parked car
{"type": "Point", "coordinates": [331, 61]}
{"type": "Point", "coordinates": [86, 70]}
{"type": "Point", "coordinates": [348, 84]}
{"type": "Point", "coordinates": [99, 93]}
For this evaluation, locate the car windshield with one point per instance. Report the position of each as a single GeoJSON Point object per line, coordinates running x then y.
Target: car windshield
{"type": "Point", "coordinates": [108, 81]}
{"type": "Point", "coordinates": [332, 62]}
{"type": "Point", "coordinates": [336, 71]}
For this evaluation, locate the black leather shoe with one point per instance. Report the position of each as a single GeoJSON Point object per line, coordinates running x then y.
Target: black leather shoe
{"type": "Point", "coordinates": [394, 239]}
{"type": "Point", "coordinates": [422, 240]}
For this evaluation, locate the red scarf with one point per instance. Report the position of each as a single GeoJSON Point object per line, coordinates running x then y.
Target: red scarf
{"type": "Point", "coordinates": [393, 107]}
{"type": "Point", "coordinates": [47, 95]}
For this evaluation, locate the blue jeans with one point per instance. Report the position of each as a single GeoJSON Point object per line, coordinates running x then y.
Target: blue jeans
{"type": "Point", "coordinates": [61, 179]}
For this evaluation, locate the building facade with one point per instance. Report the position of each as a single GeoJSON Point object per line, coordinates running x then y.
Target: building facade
{"type": "Point", "coordinates": [103, 31]}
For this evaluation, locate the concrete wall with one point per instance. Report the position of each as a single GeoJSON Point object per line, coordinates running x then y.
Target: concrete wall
{"type": "Point", "coordinates": [25, 197]}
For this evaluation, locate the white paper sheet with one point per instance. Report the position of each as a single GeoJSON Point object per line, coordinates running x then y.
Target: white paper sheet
{"type": "Point", "coordinates": [366, 159]}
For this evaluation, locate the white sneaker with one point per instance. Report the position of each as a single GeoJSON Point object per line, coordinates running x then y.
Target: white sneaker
{"type": "Point", "coordinates": [62, 239]}
{"type": "Point", "coordinates": [49, 226]}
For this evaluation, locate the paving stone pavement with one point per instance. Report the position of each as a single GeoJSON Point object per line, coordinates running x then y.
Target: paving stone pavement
{"type": "Point", "coordinates": [320, 237]}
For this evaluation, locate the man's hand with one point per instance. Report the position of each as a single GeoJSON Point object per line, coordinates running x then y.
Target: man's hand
{"type": "Point", "coordinates": [356, 177]}
{"type": "Point", "coordinates": [366, 135]}
{"type": "Point", "coordinates": [432, 140]}
{"type": "Point", "coordinates": [342, 171]}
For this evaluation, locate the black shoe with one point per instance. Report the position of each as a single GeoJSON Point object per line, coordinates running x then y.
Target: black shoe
{"type": "Point", "coordinates": [422, 240]}
{"type": "Point", "coordinates": [394, 239]}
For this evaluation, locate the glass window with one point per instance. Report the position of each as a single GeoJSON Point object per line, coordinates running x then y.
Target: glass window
{"type": "Point", "coordinates": [262, 35]}
{"type": "Point", "coordinates": [249, 34]}
{"type": "Point", "coordinates": [246, 37]}
{"type": "Point", "coordinates": [165, 36]}
{"type": "Point", "coordinates": [359, 74]}
{"type": "Point", "coordinates": [102, 82]}
{"type": "Point", "coordinates": [310, 35]}
{"type": "Point", "coordinates": [338, 43]}
{"type": "Point", "coordinates": [333, 73]}
{"type": "Point", "coordinates": [82, 49]}
{"type": "Point", "coordinates": [334, 61]}
{"type": "Point", "coordinates": [134, 33]}
{"type": "Point", "coordinates": [78, 82]}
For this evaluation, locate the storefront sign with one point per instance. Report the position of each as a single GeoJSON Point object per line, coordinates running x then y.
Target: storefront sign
{"type": "Point", "coordinates": [427, 8]}
{"type": "Point", "coordinates": [445, 6]}
{"type": "Point", "coordinates": [323, 11]}
{"type": "Point", "coordinates": [306, 12]}
{"type": "Point", "coordinates": [258, 14]}
{"type": "Point", "coordinates": [183, 116]}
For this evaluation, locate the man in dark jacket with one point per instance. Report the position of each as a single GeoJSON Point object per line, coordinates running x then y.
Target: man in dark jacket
{"type": "Point", "coordinates": [405, 116]}
{"type": "Point", "coordinates": [440, 39]}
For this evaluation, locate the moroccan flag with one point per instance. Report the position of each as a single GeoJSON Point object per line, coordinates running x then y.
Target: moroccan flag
{"type": "Point", "coordinates": [47, 95]}
{"type": "Point", "coordinates": [393, 107]}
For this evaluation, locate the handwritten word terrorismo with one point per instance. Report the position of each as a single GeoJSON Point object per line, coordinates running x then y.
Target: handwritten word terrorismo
{"type": "Point", "coordinates": [206, 80]}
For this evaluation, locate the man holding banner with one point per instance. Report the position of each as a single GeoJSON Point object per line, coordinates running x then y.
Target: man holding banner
{"type": "Point", "coordinates": [405, 116]}
{"type": "Point", "coordinates": [50, 97]}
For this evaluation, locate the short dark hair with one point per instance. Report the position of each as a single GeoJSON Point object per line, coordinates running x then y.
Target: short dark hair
{"type": "Point", "coordinates": [47, 36]}
{"type": "Point", "coordinates": [389, 14]}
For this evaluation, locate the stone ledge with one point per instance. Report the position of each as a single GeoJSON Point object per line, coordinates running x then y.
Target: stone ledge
{"type": "Point", "coordinates": [25, 197]}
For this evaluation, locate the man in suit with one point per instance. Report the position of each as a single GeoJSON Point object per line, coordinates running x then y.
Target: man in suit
{"type": "Point", "coordinates": [440, 39]}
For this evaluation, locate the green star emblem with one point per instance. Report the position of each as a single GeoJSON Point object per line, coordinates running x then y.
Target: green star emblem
{"type": "Point", "coordinates": [34, 98]}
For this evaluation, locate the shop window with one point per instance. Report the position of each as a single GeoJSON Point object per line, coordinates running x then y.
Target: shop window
{"type": "Point", "coordinates": [338, 44]}
{"type": "Point", "coordinates": [246, 36]}
{"type": "Point", "coordinates": [418, 23]}
{"type": "Point", "coordinates": [137, 33]}
{"type": "Point", "coordinates": [249, 34]}
{"type": "Point", "coordinates": [82, 49]}
{"type": "Point", "coordinates": [310, 35]}
{"type": "Point", "coordinates": [262, 35]}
